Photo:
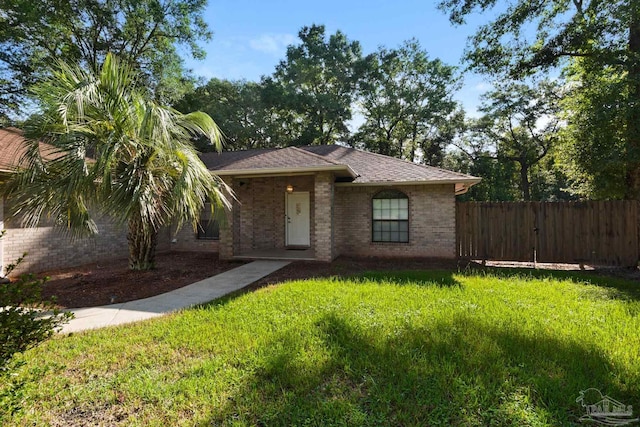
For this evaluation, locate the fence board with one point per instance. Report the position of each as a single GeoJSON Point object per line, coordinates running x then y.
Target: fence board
{"type": "Point", "coordinates": [593, 232]}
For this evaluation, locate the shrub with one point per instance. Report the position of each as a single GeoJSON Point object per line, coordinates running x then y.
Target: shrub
{"type": "Point", "coordinates": [25, 320]}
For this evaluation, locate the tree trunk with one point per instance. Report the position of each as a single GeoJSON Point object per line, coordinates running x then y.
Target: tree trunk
{"type": "Point", "coordinates": [142, 245]}
{"type": "Point", "coordinates": [633, 113]}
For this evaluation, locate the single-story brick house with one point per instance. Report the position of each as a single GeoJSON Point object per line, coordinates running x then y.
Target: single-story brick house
{"type": "Point", "coordinates": [314, 202]}
{"type": "Point", "coordinates": [319, 202]}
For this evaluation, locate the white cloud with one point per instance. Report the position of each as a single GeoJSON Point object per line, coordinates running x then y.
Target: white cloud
{"type": "Point", "coordinates": [205, 72]}
{"type": "Point", "coordinates": [273, 44]}
{"type": "Point", "coordinates": [483, 87]}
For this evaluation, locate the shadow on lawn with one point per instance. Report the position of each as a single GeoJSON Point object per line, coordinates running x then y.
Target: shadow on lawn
{"type": "Point", "coordinates": [440, 278]}
{"type": "Point", "coordinates": [620, 288]}
{"type": "Point", "coordinates": [458, 372]}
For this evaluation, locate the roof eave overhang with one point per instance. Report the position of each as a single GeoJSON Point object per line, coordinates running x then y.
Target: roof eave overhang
{"type": "Point", "coordinates": [241, 173]}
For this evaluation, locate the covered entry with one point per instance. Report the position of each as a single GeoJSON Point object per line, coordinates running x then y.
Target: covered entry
{"type": "Point", "coordinates": [274, 217]}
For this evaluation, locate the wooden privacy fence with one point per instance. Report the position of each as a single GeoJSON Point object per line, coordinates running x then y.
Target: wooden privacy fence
{"type": "Point", "coordinates": [594, 232]}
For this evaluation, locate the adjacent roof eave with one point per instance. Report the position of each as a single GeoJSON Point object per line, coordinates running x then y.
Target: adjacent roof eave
{"type": "Point", "coordinates": [285, 171]}
{"type": "Point", "coordinates": [462, 188]}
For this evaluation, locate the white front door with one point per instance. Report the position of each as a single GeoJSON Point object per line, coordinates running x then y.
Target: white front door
{"type": "Point", "coordinates": [298, 220]}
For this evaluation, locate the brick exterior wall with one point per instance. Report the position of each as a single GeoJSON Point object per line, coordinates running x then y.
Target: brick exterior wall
{"type": "Point", "coordinates": [340, 218]}
{"type": "Point", "coordinates": [258, 217]}
{"type": "Point", "coordinates": [340, 225]}
{"type": "Point", "coordinates": [49, 248]}
{"type": "Point", "coordinates": [432, 228]}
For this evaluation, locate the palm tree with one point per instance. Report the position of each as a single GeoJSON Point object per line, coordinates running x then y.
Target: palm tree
{"type": "Point", "coordinates": [114, 152]}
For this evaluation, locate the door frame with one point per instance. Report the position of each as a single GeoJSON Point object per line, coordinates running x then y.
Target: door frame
{"type": "Point", "coordinates": [286, 221]}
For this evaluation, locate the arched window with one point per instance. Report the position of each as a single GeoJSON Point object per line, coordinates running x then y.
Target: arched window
{"type": "Point", "coordinates": [390, 209]}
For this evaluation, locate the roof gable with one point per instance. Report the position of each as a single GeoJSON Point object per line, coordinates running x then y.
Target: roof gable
{"type": "Point", "coordinates": [266, 161]}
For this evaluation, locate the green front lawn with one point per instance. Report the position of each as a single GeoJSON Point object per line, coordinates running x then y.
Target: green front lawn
{"type": "Point", "coordinates": [415, 348]}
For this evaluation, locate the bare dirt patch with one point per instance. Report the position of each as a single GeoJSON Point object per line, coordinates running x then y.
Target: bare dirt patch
{"type": "Point", "coordinates": [99, 415]}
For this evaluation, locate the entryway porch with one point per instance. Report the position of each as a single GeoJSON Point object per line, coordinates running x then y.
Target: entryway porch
{"type": "Point", "coordinates": [282, 254]}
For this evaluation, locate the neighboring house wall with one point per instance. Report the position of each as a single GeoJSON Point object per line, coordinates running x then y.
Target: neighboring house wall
{"type": "Point", "coordinates": [48, 248]}
{"type": "Point", "coordinates": [432, 230]}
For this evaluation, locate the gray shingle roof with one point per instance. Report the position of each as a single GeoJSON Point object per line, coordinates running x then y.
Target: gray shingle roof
{"type": "Point", "coordinates": [374, 168]}
{"type": "Point", "coordinates": [283, 158]}
{"type": "Point", "coordinates": [368, 168]}
{"type": "Point", "coordinates": [359, 167]}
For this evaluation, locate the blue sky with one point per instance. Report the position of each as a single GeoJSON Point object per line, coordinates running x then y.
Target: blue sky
{"type": "Point", "coordinates": [250, 37]}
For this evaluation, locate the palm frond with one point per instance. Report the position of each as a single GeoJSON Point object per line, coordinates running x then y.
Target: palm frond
{"type": "Point", "coordinates": [118, 154]}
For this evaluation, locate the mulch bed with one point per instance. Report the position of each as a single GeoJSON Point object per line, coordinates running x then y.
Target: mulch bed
{"type": "Point", "coordinates": [112, 282]}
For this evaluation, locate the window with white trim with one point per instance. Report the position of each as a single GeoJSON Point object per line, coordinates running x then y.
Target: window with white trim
{"type": "Point", "coordinates": [390, 214]}
{"type": "Point", "coordinates": [208, 225]}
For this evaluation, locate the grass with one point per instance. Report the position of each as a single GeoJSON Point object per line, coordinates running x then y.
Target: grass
{"type": "Point", "coordinates": [414, 348]}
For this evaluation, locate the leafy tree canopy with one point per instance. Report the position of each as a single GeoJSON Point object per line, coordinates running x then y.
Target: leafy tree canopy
{"type": "Point", "coordinates": [143, 33]}
{"type": "Point", "coordinates": [522, 122]}
{"type": "Point", "coordinates": [313, 87]}
{"type": "Point", "coordinates": [240, 111]}
{"type": "Point", "coordinates": [406, 100]}
{"type": "Point", "coordinates": [592, 40]}
{"type": "Point", "coordinates": [528, 35]}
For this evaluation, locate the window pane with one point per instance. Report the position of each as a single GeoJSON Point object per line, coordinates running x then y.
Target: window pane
{"type": "Point", "coordinates": [390, 231]}
{"type": "Point", "coordinates": [206, 212]}
{"type": "Point", "coordinates": [390, 213]}
{"type": "Point", "coordinates": [208, 230]}
{"type": "Point", "coordinates": [403, 213]}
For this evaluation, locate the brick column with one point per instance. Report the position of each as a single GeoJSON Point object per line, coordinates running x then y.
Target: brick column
{"type": "Point", "coordinates": [323, 223]}
{"type": "Point", "coordinates": [227, 228]}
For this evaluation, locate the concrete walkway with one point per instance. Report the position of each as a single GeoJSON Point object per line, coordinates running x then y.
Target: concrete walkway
{"type": "Point", "coordinates": [196, 293]}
